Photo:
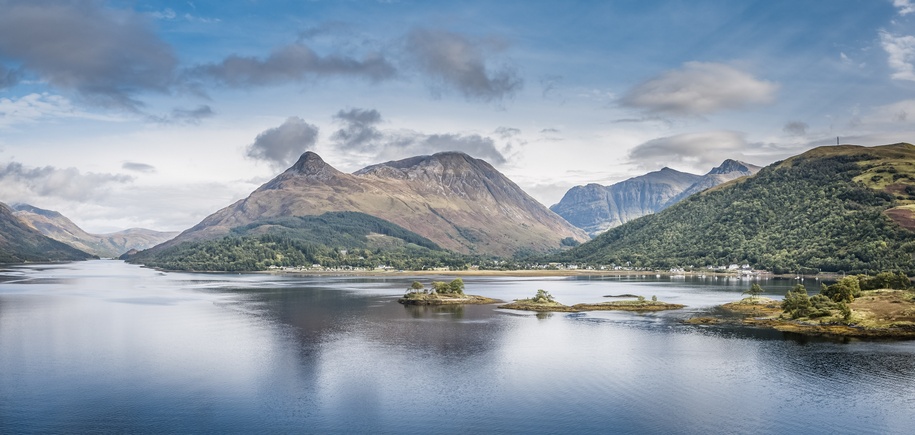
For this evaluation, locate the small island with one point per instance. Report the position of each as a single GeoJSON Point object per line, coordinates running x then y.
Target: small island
{"type": "Point", "coordinates": [543, 301]}
{"type": "Point", "coordinates": [881, 306]}
{"type": "Point", "coordinates": [442, 293]}
{"type": "Point", "coordinates": [640, 304]}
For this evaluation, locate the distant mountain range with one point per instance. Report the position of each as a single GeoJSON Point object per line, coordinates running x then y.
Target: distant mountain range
{"type": "Point", "coordinates": [457, 202]}
{"type": "Point", "coordinates": [21, 243]}
{"type": "Point", "coordinates": [596, 208]}
{"type": "Point", "coordinates": [60, 228]}
{"type": "Point", "coordinates": [835, 209]}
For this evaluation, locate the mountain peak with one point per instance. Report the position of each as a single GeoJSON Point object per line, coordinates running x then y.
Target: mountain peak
{"type": "Point", "coordinates": [731, 165]}
{"type": "Point", "coordinates": [311, 165]}
{"type": "Point", "coordinates": [309, 161]}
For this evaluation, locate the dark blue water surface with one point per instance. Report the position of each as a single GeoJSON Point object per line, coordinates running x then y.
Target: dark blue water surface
{"type": "Point", "coordinates": [103, 346]}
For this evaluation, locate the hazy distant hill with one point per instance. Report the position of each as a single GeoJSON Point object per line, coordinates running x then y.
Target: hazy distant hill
{"type": "Point", "coordinates": [456, 201]}
{"type": "Point", "coordinates": [62, 229]}
{"type": "Point", "coordinates": [596, 208]}
{"type": "Point", "coordinates": [21, 243]}
{"type": "Point", "coordinates": [840, 208]}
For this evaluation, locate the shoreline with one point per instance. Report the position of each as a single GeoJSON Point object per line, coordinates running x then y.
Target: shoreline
{"type": "Point", "coordinates": [876, 314]}
{"type": "Point", "coordinates": [528, 273]}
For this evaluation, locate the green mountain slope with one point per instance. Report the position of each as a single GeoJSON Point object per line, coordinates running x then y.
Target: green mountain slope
{"type": "Point", "coordinates": [20, 243]}
{"type": "Point", "coordinates": [840, 208]}
{"type": "Point", "coordinates": [332, 240]}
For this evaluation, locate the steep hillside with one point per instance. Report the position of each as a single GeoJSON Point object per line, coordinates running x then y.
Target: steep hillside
{"type": "Point", "coordinates": [595, 208]}
{"type": "Point", "coordinates": [60, 228]}
{"type": "Point", "coordinates": [21, 243]}
{"type": "Point", "coordinates": [829, 209]}
{"type": "Point", "coordinates": [458, 202]}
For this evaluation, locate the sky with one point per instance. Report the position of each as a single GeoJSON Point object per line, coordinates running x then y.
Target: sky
{"type": "Point", "coordinates": [155, 114]}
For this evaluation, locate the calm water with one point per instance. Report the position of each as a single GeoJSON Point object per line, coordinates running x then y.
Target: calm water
{"type": "Point", "coordinates": [103, 346]}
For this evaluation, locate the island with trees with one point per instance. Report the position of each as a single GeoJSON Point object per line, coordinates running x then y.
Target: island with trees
{"type": "Point", "coordinates": [543, 301]}
{"type": "Point", "coordinates": [861, 306]}
{"type": "Point", "coordinates": [442, 293]}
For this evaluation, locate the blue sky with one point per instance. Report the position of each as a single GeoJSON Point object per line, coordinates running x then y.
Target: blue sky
{"type": "Point", "coordinates": [155, 114]}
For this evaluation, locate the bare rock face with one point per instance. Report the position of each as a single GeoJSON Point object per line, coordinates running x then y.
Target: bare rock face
{"type": "Point", "coordinates": [727, 171]}
{"type": "Point", "coordinates": [596, 208]}
{"type": "Point", "coordinates": [459, 202]}
{"type": "Point", "coordinates": [58, 227]}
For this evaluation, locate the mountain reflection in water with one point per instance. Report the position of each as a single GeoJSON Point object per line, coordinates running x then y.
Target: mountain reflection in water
{"type": "Point", "coordinates": [110, 347]}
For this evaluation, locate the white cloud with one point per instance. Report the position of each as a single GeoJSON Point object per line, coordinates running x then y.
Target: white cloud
{"type": "Point", "coordinates": [22, 184]}
{"type": "Point", "coordinates": [901, 52]}
{"type": "Point", "coordinates": [905, 7]}
{"type": "Point", "coordinates": [35, 107]}
{"type": "Point", "coordinates": [700, 88]}
{"type": "Point", "coordinates": [699, 151]}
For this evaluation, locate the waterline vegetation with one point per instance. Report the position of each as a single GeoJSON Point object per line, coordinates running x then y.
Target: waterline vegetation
{"type": "Point", "coordinates": [861, 306]}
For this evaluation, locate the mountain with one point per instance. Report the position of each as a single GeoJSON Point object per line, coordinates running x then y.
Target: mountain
{"type": "Point", "coordinates": [60, 228]}
{"type": "Point", "coordinates": [837, 209]}
{"type": "Point", "coordinates": [596, 208]}
{"type": "Point", "coordinates": [458, 202]}
{"type": "Point", "coordinates": [727, 171]}
{"type": "Point", "coordinates": [21, 243]}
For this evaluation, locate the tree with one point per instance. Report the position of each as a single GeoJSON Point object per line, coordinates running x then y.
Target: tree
{"type": "Point", "coordinates": [543, 296]}
{"type": "Point", "coordinates": [440, 287]}
{"type": "Point", "coordinates": [416, 286]}
{"type": "Point", "coordinates": [796, 302]}
{"type": "Point", "coordinates": [754, 291]}
{"type": "Point", "coordinates": [457, 286]}
{"type": "Point", "coordinates": [846, 289]}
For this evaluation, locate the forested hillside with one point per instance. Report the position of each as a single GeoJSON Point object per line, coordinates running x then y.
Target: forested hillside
{"type": "Point", "coordinates": [824, 210]}
{"type": "Point", "coordinates": [331, 240]}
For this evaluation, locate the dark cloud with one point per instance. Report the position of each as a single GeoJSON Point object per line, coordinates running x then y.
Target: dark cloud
{"type": "Point", "coordinates": [796, 128]}
{"type": "Point", "coordinates": [402, 144]}
{"type": "Point", "coordinates": [8, 77]}
{"type": "Point", "coordinates": [702, 151]}
{"type": "Point", "coordinates": [106, 55]}
{"type": "Point", "coordinates": [18, 182]}
{"type": "Point", "coordinates": [459, 63]}
{"type": "Point", "coordinates": [281, 146]}
{"type": "Point", "coordinates": [358, 132]}
{"type": "Point", "coordinates": [292, 63]}
{"type": "Point", "coordinates": [473, 144]}
{"type": "Point", "coordinates": [361, 135]}
{"type": "Point", "coordinates": [699, 88]}
{"type": "Point", "coordinates": [139, 167]}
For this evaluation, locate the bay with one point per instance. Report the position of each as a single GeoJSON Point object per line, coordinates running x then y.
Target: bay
{"type": "Point", "coordinates": [103, 346]}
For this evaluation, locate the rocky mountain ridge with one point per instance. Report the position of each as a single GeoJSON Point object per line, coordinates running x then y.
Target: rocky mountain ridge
{"type": "Point", "coordinates": [459, 202]}
{"type": "Point", "coordinates": [596, 208]}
